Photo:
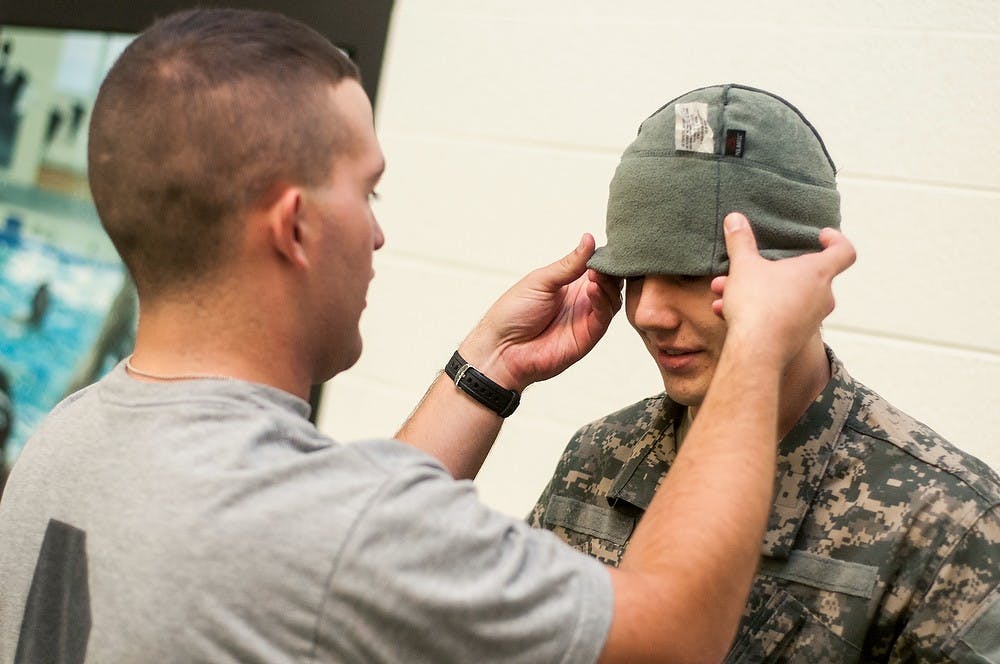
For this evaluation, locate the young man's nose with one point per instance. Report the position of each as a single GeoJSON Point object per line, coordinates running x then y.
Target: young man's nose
{"type": "Point", "coordinates": [653, 301]}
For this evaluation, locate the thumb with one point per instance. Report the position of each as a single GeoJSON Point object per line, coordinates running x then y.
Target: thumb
{"type": "Point", "coordinates": [740, 242]}
{"type": "Point", "coordinates": [568, 268]}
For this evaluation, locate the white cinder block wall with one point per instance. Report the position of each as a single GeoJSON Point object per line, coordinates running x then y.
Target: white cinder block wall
{"type": "Point", "coordinates": [502, 122]}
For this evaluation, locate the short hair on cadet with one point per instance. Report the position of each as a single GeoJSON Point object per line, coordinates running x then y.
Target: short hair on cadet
{"type": "Point", "coordinates": [199, 119]}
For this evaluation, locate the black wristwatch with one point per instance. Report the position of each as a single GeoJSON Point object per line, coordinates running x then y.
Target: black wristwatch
{"type": "Point", "coordinates": [473, 382]}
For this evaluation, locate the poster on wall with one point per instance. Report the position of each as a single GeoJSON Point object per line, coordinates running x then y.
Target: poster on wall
{"type": "Point", "coordinates": [67, 309]}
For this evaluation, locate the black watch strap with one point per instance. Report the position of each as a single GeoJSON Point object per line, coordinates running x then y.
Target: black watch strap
{"type": "Point", "coordinates": [473, 382]}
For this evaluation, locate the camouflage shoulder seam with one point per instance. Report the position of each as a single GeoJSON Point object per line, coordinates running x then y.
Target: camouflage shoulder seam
{"type": "Point", "coordinates": [980, 516]}
{"type": "Point", "coordinates": [991, 498]}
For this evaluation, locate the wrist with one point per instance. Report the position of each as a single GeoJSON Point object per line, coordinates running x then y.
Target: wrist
{"type": "Point", "coordinates": [487, 356]}
{"type": "Point", "coordinates": [480, 387]}
{"type": "Point", "coordinates": [746, 349]}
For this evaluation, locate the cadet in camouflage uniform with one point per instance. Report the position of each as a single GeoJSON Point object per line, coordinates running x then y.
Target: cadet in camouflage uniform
{"type": "Point", "coordinates": [884, 540]}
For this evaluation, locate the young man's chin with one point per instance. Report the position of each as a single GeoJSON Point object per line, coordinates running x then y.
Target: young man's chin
{"type": "Point", "coordinates": [685, 395]}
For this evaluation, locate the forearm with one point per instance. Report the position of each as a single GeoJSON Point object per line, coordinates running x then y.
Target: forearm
{"type": "Point", "coordinates": [544, 323]}
{"type": "Point", "coordinates": [689, 565]}
{"type": "Point", "coordinates": [452, 428]}
{"type": "Point", "coordinates": [450, 425]}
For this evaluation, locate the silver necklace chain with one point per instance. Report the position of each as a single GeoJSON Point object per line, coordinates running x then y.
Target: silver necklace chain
{"type": "Point", "coordinates": [171, 377]}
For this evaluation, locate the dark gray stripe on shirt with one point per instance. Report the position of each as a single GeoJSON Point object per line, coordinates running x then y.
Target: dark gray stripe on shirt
{"type": "Point", "coordinates": [589, 519]}
{"type": "Point", "coordinates": [983, 637]}
{"type": "Point", "coordinates": [824, 573]}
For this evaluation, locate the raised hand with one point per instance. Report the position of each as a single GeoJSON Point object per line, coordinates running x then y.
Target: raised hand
{"type": "Point", "coordinates": [545, 322]}
{"type": "Point", "coordinates": [781, 302]}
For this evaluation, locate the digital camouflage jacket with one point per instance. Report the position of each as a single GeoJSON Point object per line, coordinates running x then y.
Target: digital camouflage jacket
{"type": "Point", "coordinates": [883, 542]}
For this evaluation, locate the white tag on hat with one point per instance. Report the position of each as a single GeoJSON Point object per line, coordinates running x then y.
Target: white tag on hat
{"type": "Point", "coordinates": [691, 129]}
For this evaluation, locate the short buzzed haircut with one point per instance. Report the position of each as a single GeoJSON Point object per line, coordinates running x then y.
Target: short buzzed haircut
{"type": "Point", "coordinates": [201, 118]}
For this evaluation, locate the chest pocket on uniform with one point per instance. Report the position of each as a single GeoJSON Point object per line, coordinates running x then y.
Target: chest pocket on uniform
{"type": "Point", "coordinates": [786, 631]}
{"type": "Point", "coordinates": [588, 519]}
{"type": "Point", "coordinates": [778, 627]}
{"type": "Point", "coordinates": [600, 532]}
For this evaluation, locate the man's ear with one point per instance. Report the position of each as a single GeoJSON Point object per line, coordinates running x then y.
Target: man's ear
{"type": "Point", "coordinates": [286, 227]}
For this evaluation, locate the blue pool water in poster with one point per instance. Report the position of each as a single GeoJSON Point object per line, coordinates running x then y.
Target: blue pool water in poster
{"type": "Point", "coordinates": [67, 311]}
{"type": "Point", "coordinates": [44, 339]}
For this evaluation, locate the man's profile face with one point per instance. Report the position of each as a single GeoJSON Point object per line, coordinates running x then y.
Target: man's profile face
{"type": "Point", "coordinates": [673, 316]}
{"type": "Point", "coordinates": [345, 232]}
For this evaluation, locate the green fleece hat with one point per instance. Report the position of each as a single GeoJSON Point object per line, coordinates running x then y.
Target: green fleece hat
{"type": "Point", "coordinates": [712, 151]}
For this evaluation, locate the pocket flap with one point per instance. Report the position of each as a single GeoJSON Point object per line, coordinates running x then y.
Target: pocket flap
{"type": "Point", "coordinates": [785, 630]}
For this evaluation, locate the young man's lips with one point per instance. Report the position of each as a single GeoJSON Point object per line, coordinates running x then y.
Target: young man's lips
{"type": "Point", "coordinates": [676, 359]}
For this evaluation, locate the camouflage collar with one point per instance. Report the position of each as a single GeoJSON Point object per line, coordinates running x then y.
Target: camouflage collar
{"type": "Point", "coordinates": [641, 473]}
{"type": "Point", "coordinates": [803, 455]}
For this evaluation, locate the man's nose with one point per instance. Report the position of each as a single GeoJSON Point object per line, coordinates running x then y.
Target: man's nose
{"type": "Point", "coordinates": [654, 309]}
{"type": "Point", "coordinates": [379, 237]}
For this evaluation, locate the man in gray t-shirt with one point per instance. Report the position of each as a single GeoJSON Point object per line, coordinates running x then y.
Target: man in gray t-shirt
{"type": "Point", "coordinates": [184, 509]}
{"type": "Point", "coordinates": [214, 516]}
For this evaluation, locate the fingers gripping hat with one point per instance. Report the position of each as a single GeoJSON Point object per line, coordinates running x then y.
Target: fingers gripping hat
{"type": "Point", "coordinates": [705, 154]}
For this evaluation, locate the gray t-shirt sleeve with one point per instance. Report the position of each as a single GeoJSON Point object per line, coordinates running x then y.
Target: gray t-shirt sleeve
{"type": "Point", "coordinates": [430, 574]}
